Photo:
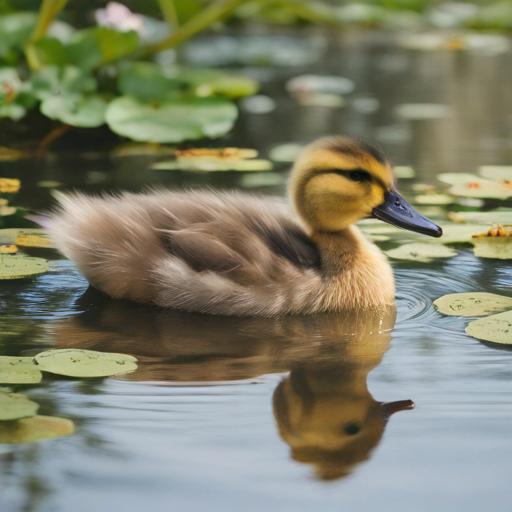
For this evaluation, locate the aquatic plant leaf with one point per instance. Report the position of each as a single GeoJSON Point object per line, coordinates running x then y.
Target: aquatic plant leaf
{"type": "Point", "coordinates": [472, 304]}
{"type": "Point", "coordinates": [262, 179]}
{"type": "Point", "coordinates": [173, 120]}
{"type": "Point", "coordinates": [96, 46]}
{"type": "Point", "coordinates": [494, 328]}
{"type": "Point", "coordinates": [471, 185]}
{"type": "Point", "coordinates": [14, 407]}
{"type": "Point", "coordinates": [417, 111]}
{"type": "Point", "coordinates": [213, 164]}
{"type": "Point", "coordinates": [496, 247]}
{"type": "Point", "coordinates": [15, 29]}
{"type": "Point", "coordinates": [8, 249]}
{"type": "Point", "coordinates": [84, 363]}
{"type": "Point", "coordinates": [404, 172]}
{"type": "Point", "coordinates": [19, 267]}
{"type": "Point", "coordinates": [34, 239]}
{"type": "Point", "coordinates": [9, 236]}
{"type": "Point", "coordinates": [434, 199]}
{"type": "Point", "coordinates": [19, 370]}
{"type": "Point", "coordinates": [287, 153]}
{"type": "Point", "coordinates": [36, 428]}
{"type": "Point", "coordinates": [461, 233]}
{"type": "Point", "coordinates": [496, 172]}
{"type": "Point", "coordinates": [52, 80]}
{"type": "Point", "coordinates": [492, 217]}
{"type": "Point", "coordinates": [76, 110]}
{"type": "Point", "coordinates": [423, 252]}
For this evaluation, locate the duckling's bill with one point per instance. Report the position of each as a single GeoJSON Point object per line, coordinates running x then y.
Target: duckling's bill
{"type": "Point", "coordinates": [395, 210]}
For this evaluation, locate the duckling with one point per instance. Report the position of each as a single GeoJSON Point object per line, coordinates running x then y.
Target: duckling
{"type": "Point", "coordinates": [229, 253]}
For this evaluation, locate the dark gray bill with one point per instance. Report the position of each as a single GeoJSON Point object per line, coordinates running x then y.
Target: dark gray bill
{"type": "Point", "coordinates": [389, 408]}
{"type": "Point", "coordinates": [397, 211]}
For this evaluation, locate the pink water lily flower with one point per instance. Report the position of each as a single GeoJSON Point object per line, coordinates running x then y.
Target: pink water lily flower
{"type": "Point", "coordinates": [118, 16]}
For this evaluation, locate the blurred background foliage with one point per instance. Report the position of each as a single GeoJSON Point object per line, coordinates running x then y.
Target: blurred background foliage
{"type": "Point", "coordinates": [86, 63]}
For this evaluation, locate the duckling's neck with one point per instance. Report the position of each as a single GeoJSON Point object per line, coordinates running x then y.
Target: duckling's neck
{"type": "Point", "coordinates": [360, 274]}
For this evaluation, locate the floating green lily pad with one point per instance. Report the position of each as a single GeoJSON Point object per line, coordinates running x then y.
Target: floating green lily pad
{"type": "Point", "coordinates": [19, 370]}
{"type": "Point", "coordinates": [496, 247]}
{"type": "Point", "coordinates": [423, 252]}
{"type": "Point", "coordinates": [471, 185]}
{"type": "Point", "coordinates": [462, 233]}
{"type": "Point", "coordinates": [14, 266]}
{"type": "Point", "coordinates": [214, 164]}
{"type": "Point", "coordinates": [496, 172]}
{"type": "Point", "coordinates": [404, 171]}
{"type": "Point", "coordinates": [9, 236]}
{"type": "Point", "coordinates": [434, 199]}
{"type": "Point", "coordinates": [84, 363]}
{"type": "Point", "coordinates": [472, 304]}
{"type": "Point", "coordinates": [34, 239]}
{"type": "Point", "coordinates": [495, 216]}
{"type": "Point", "coordinates": [14, 406]}
{"type": "Point", "coordinates": [494, 328]}
{"type": "Point", "coordinates": [37, 428]}
{"type": "Point", "coordinates": [76, 109]}
{"type": "Point", "coordinates": [172, 120]}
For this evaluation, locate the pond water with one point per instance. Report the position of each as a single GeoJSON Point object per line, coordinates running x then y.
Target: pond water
{"type": "Point", "coordinates": [281, 414]}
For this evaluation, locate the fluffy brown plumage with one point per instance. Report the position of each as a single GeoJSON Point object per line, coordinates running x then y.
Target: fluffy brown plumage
{"type": "Point", "coordinates": [236, 254]}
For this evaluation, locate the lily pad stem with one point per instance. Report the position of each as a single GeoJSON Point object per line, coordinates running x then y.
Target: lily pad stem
{"type": "Point", "coordinates": [48, 10]}
{"type": "Point", "coordinates": [169, 13]}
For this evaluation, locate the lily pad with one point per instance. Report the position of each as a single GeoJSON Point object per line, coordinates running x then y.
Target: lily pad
{"type": "Point", "coordinates": [434, 199]}
{"type": "Point", "coordinates": [496, 172]}
{"type": "Point", "coordinates": [422, 252]}
{"type": "Point", "coordinates": [84, 363]}
{"type": "Point", "coordinates": [206, 164]}
{"type": "Point", "coordinates": [19, 370]}
{"type": "Point", "coordinates": [461, 233]}
{"type": "Point", "coordinates": [35, 239]}
{"type": "Point", "coordinates": [494, 328]}
{"type": "Point", "coordinates": [14, 407]}
{"type": "Point", "coordinates": [287, 153]}
{"type": "Point", "coordinates": [470, 185]}
{"type": "Point", "coordinates": [404, 172]}
{"type": "Point", "coordinates": [495, 216]}
{"type": "Point", "coordinates": [172, 120]}
{"type": "Point", "coordinates": [472, 304]}
{"type": "Point", "coordinates": [8, 249]}
{"type": "Point", "coordinates": [76, 109]}
{"type": "Point", "coordinates": [417, 111]}
{"type": "Point", "coordinates": [18, 267]}
{"type": "Point", "coordinates": [496, 247]}
{"type": "Point", "coordinates": [37, 428]}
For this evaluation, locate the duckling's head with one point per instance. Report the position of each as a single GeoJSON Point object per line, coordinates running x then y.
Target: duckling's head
{"type": "Point", "coordinates": [337, 181]}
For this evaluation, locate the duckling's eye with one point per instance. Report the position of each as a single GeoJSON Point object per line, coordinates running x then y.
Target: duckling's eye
{"type": "Point", "coordinates": [351, 429]}
{"type": "Point", "coordinates": [359, 175]}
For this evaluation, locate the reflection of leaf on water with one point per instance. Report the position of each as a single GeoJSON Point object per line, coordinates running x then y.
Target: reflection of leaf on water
{"type": "Point", "coordinates": [472, 304]}
{"type": "Point", "coordinates": [14, 406]}
{"type": "Point", "coordinates": [36, 428]}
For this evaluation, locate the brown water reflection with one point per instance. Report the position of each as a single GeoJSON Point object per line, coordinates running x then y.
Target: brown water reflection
{"type": "Point", "coordinates": [323, 408]}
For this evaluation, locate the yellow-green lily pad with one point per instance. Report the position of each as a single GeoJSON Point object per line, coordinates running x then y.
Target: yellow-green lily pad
{"type": "Point", "coordinates": [34, 239]}
{"type": "Point", "coordinates": [472, 304]}
{"type": "Point", "coordinates": [492, 217]}
{"type": "Point", "coordinates": [494, 328]}
{"type": "Point", "coordinates": [471, 185]}
{"type": "Point", "coordinates": [14, 266]}
{"type": "Point", "coordinates": [462, 233]}
{"type": "Point", "coordinates": [213, 164]}
{"type": "Point", "coordinates": [496, 172]}
{"type": "Point", "coordinates": [422, 252]}
{"type": "Point", "coordinates": [434, 199]}
{"type": "Point", "coordinates": [404, 172]}
{"type": "Point", "coordinates": [84, 363]}
{"type": "Point", "coordinates": [14, 407]}
{"type": "Point", "coordinates": [496, 247]}
{"type": "Point", "coordinates": [19, 370]}
{"type": "Point", "coordinates": [37, 428]}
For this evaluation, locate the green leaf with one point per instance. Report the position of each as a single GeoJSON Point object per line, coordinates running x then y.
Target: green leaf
{"type": "Point", "coordinates": [472, 304]}
{"type": "Point", "coordinates": [434, 199]}
{"type": "Point", "coordinates": [470, 185]}
{"type": "Point", "coordinates": [56, 80]}
{"type": "Point", "coordinates": [15, 29]}
{"type": "Point", "coordinates": [213, 164]}
{"type": "Point", "coordinates": [173, 120]}
{"type": "Point", "coordinates": [76, 110]}
{"type": "Point", "coordinates": [13, 407]}
{"type": "Point", "coordinates": [84, 363]}
{"type": "Point", "coordinates": [496, 247]}
{"type": "Point", "coordinates": [496, 172]}
{"type": "Point", "coordinates": [494, 328]}
{"type": "Point", "coordinates": [37, 428]}
{"type": "Point", "coordinates": [462, 233]}
{"type": "Point", "coordinates": [422, 252]}
{"type": "Point", "coordinates": [145, 81]}
{"type": "Point", "coordinates": [19, 267]}
{"type": "Point", "coordinates": [19, 370]}
{"type": "Point", "coordinates": [51, 51]}
{"type": "Point", "coordinates": [93, 47]}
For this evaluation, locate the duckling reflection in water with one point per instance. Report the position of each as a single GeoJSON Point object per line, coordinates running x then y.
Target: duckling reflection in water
{"type": "Point", "coordinates": [235, 254]}
{"type": "Point", "coordinates": [323, 408]}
